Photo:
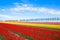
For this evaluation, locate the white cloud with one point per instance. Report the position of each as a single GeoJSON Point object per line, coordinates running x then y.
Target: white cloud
{"type": "Point", "coordinates": [4, 17]}
{"type": "Point", "coordinates": [29, 7]}
{"type": "Point", "coordinates": [26, 7]}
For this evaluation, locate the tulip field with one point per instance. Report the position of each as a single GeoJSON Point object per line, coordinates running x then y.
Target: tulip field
{"type": "Point", "coordinates": [29, 30]}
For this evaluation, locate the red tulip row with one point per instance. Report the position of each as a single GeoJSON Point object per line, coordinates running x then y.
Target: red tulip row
{"type": "Point", "coordinates": [33, 32]}
{"type": "Point", "coordinates": [8, 35]}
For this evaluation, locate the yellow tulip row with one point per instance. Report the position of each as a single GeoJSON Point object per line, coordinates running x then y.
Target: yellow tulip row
{"type": "Point", "coordinates": [35, 25]}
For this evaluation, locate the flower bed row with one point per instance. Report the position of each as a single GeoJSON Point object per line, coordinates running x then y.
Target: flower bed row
{"type": "Point", "coordinates": [32, 33]}
{"type": "Point", "coordinates": [8, 35]}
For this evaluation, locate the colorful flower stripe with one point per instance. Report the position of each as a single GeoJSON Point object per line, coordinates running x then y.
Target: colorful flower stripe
{"type": "Point", "coordinates": [36, 25]}
{"type": "Point", "coordinates": [34, 32]}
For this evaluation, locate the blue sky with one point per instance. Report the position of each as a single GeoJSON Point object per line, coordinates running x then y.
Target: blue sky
{"type": "Point", "coordinates": [28, 9]}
